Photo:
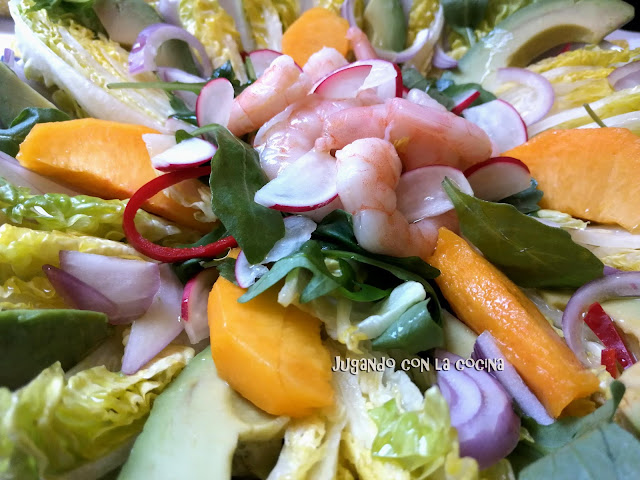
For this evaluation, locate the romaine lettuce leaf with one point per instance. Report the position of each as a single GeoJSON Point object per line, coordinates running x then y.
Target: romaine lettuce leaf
{"type": "Point", "coordinates": [55, 427]}
{"type": "Point", "coordinates": [288, 11]}
{"type": "Point", "coordinates": [81, 63]}
{"type": "Point", "coordinates": [216, 29]}
{"type": "Point", "coordinates": [266, 27]}
{"type": "Point", "coordinates": [23, 251]}
{"type": "Point", "coordinates": [83, 215]}
{"type": "Point", "coordinates": [36, 293]}
{"type": "Point", "coordinates": [421, 14]}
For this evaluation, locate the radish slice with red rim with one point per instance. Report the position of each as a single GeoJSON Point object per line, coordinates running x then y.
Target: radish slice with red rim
{"type": "Point", "coordinates": [346, 82]}
{"type": "Point", "coordinates": [261, 59]}
{"type": "Point", "coordinates": [78, 294]}
{"type": "Point", "coordinates": [486, 348]}
{"type": "Point", "coordinates": [487, 432]}
{"type": "Point", "coordinates": [534, 106]}
{"type": "Point", "coordinates": [193, 310]}
{"type": "Point", "coordinates": [214, 102]}
{"type": "Point", "coordinates": [152, 332]}
{"type": "Point", "coordinates": [420, 193]}
{"type": "Point", "coordinates": [130, 284]}
{"type": "Point", "coordinates": [501, 122]}
{"type": "Point", "coordinates": [498, 178]}
{"type": "Point", "coordinates": [306, 184]}
{"type": "Point", "coordinates": [464, 100]}
{"type": "Point", "coordinates": [297, 231]}
{"type": "Point", "coordinates": [188, 153]}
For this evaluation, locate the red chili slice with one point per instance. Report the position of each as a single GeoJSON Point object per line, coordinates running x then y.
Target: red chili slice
{"type": "Point", "coordinates": [605, 330]}
{"type": "Point", "coordinates": [608, 359]}
{"type": "Point", "coordinates": [158, 252]}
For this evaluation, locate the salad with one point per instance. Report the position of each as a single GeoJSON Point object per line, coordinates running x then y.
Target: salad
{"type": "Point", "coordinates": [328, 239]}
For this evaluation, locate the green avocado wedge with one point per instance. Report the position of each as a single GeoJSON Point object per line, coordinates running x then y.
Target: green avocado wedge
{"type": "Point", "coordinates": [15, 96]}
{"type": "Point", "coordinates": [31, 340]}
{"type": "Point", "coordinates": [538, 27]}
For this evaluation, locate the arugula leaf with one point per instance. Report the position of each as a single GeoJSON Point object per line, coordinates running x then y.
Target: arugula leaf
{"type": "Point", "coordinates": [454, 90]}
{"type": "Point", "coordinates": [528, 252]}
{"type": "Point", "coordinates": [527, 200]}
{"type": "Point", "coordinates": [415, 331]}
{"type": "Point", "coordinates": [190, 268]}
{"type": "Point", "coordinates": [226, 71]}
{"type": "Point", "coordinates": [236, 176]}
{"type": "Point", "coordinates": [578, 447]}
{"type": "Point", "coordinates": [80, 10]}
{"type": "Point", "coordinates": [12, 137]}
{"type": "Point", "coordinates": [182, 112]}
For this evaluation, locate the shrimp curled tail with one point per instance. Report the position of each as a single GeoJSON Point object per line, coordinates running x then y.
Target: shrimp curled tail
{"type": "Point", "coordinates": [323, 62]}
{"type": "Point", "coordinates": [282, 84]}
{"type": "Point", "coordinates": [368, 171]}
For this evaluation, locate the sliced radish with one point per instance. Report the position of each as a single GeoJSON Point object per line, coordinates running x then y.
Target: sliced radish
{"type": "Point", "coordinates": [130, 284]}
{"type": "Point", "coordinates": [193, 310]}
{"type": "Point", "coordinates": [464, 100]}
{"type": "Point", "coordinates": [214, 102]}
{"type": "Point", "coordinates": [501, 122]}
{"type": "Point", "coordinates": [420, 193]}
{"type": "Point", "coordinates": [498, 178]}
{"type": "Point", "coordinates": [261, 59]}
{"type": "Point", "coordinates": [188, 153]}
{"type": "Point", "coordinates": [306, 184]}
{"type": "Point", "coordinates": [152, 332]}
{"type": "Point", "coordinates": [346, 82]}
{"type": "Point", "coordinates": [246, 273]}
{"type": "Point", "coordinates": [297, 231]}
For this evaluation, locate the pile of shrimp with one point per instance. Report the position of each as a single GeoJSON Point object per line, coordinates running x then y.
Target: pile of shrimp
{"type": "Point", "coordinates": [373, 142]}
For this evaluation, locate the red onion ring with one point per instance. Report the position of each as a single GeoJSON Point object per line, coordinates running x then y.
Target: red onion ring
{"type": "Point", "coordinates": [442, 60]}
{"type": "Point", "coordinates": [143, 53]}
{"type": "Point", "coordinates": [623, 284]}
{"type": "Point", "coordinates": [537, 82]}
{"type": "Point", "coordinates": [169, 74]}
{"type": "Point", "coordinates": [487, 348]}
{"type": "Point", "coordinates": [168, 10]}
{"type": "Point", "coordinates": [627, 76]}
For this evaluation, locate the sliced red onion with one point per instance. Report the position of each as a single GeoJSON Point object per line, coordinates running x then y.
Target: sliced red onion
{"type": "Point", "coordinates": [9, 58]}
{"type": "Point", "coordinates": [536, 108]}
{"type": "Point", "coordinates": [606, 237]}
{"type": "Point", "coordinates": [487, 432]}
{"type": "Point", "coordinates": [464, 100]}
{"type": "Point", "coordinates": [143, 53]}
{"type": "Point", "coordinates": [610, 270]}
{"type": "Point", "coordinates": [498, 178]}
{"type": "Point", "coordinates": [442, 60]}
{"type": "Point", "coordinates": [169, 74]}
{"type": "Point", "coordinates": [195, 297]}
{"type": "Point", "coordinates": [168, 10]}
{"type": "Point", "coordinates": [297, 231]}
{"type": "Point", "coordinates": [186, 154]}
{"type": "Point", "coordinates": [348, 81]}
{"type": "Point", "coordinates": [487, 349]}
{"type": "Point", "coordinates": [130, 284]}
{"type": "Point", "coordinates": [623, 284]}
{"type": "Point", "coordinates": [261, 59]}
{"type": "Point", "coordinates": [12, 171]}
{"type": "Point", "coordinates": [214, 102]}
{"type": "Point", "coordinates": [627, 76]}
{"type": "Point", "coordinates": [78, 294]}
{"type": "Point", "coordinates": [420, 193]}
{"type": "Point", "coordinates": [348, 12]}
{"type": "Point", "coordinates": [632, 38]}
{"type": "Point", "coordinates": [501, 122]}
{"type": "Point", "coordinates": [306, 184]}
{"type": "Point", "coordinates": [152, 332]}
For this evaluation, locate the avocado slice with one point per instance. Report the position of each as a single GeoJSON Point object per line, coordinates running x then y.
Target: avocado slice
{"type": "Point", "coordinates": [31, 340]}
{"type": "Point", "coordinates": [194, 428]}
{"type": "Point", "coordinates": [385, 24]}
{"type": "Point", "coordinates": [538, 27]}
{"type": "Point", "coordinates": [15, 96]}
{"type": "Point", "coordinates": [125, 19]}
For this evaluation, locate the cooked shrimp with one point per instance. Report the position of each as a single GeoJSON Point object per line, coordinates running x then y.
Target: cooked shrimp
{"type": "Point", "coordinates": [360, 44]}
{"type": "Point", "coordinates": [279, 86]}
{"type": "Point", "coordinates": [368, 171]}
{"type": "Point", "coordinates": [292, 133]}
{"type": "Point", "coordinates": [323, 62]}
{"type": "Point", "coordinates": [422, 135]}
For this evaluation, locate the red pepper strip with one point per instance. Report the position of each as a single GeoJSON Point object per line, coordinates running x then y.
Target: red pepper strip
{"type": "Point", "coordinates": [157, 252]}
{"type": "Point", "coordinates": [605, 330]}
{"type": "Point", "coordinates": [608, 359]}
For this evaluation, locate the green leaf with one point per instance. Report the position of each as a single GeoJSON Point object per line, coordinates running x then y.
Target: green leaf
{"type": "Point", "coordinates": [462, 14]}
{"type": "Point", "coordinates": [226, 71]}
{"type": "Point", "coordinates": [546, 439]}
{"type": "Point", "coordinates": [456, 89]}
{"type": "Point", "coordinates": [12, 137]}
{"type": "Point", "coordinates": [415, 331]}
{"type": "Point", "coordinates": [81, 11]}
{"type": "Point", "coordinates": [190, 268]}
{"type": "Point", "coordinates": [236, 176]}
{"type": "Point", "coordinates": [527, 251]}
{"type": "Point", "coordinates": [527, 200]}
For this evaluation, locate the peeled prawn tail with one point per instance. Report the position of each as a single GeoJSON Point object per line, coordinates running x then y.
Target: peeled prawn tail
{"type": "Point", "coordinates": [360, 44]}
{"type": "Point", "coordinates": [282, 84]}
